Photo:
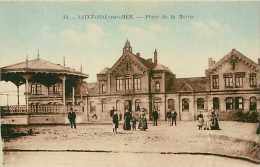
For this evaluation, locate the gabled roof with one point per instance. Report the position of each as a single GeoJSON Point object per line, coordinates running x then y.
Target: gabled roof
{"type": "Point", "coordinates": [196, 84]}
{"type": "Point", "coordinates": [145, 62]}
{"type": "Point", "coordinates": [41, 65]}
{"type": "Point", "coordinates": [238, 55]}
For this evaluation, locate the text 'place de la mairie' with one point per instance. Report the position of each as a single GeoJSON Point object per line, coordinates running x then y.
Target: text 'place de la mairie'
{"type": "Point", "coordinates": [133, 83]}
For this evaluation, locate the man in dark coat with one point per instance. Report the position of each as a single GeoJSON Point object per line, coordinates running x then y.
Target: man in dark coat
{"type": "Point", "coordinates": [174, 117]}
{"type": "Point", "coordinates": [72, 118]}
{"type": "Point", "coordinates": [127, 121]}
{"type": "Point", "coordinates": [155, 117]}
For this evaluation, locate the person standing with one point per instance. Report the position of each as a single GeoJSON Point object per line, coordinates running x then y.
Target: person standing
{"type": "Point", "coordinates": [115, 120]}
{"type": "Point", "coordinates": [200, 121]}
{"type": "Point", "coordinates": [127, 120]}
{"type": "Point", "coordinates": [174, 117]}
{"type": "Point", "coordinates": [112, 112]}
{"type": "Point", "coordinates": [134, 120]}
{"type": "Point", "coordinates": [143, 122]}
{"type": "Point", "coordinates": [155, 117]}
{"type": "Point", "coordinates": [72, 118]}
{"type": "Point", "coordinates": [168, 116]}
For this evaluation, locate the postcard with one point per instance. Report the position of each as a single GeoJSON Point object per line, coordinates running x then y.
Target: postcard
{"type": "Point", "coordinates": [130, 83]}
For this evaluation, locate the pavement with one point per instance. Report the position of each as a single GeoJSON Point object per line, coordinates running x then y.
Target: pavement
{"type": "Point", "coordinates": [233, 140]}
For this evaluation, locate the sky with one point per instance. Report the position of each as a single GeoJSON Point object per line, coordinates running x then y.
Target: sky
{"type": "Point", "coordinates": [58, 29]}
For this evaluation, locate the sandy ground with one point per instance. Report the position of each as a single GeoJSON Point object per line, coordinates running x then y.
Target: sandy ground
{"type": "Point", "coordinates": [74, 159]}
{"type": "Point", "coordinates": [136, 144]}
{"type": "Point", "coordinates": [160, 138]}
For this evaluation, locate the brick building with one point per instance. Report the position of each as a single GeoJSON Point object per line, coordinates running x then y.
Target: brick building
{"type": "Point", "coordinates": [133, 83]}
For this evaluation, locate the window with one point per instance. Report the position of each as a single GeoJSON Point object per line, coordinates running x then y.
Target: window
{"type": "Point", "coordinates": [157, 104]}
{"type": "Point", "coordinates": [229, 103]}
{"type": "Point", "coordinates": [239, 78]}
{"type": "Point", "coordinates": [128, 66]}
{"type": "Point", "coordinates": [128, 84]}
{"type": "Point", "coordinates": [215, 82]}
{"type": "Point", "coordinates": [239, 103]}
{"type": "Point", "coordinates": [252, 104]}
{"type": "Point", "coordinates": [103, 88]}
{"type": "Point", "coordinates": [228, 79]}
{"type": "Point", "coordinates": [252, 80]}
{"type": "Point", "coordinates": [55, 88]}
{"type": "Point", "coordinates": [119, 84]}
{"type": "Point", "coordinates": [92, 107]}
{"type": "Point", "coordinates": [36, 89]}
{"type": "Point", "coordinates": [185, 104]}
{"type": "Point", "coordinates": [157, 86]}
{"type": "Point", "coordinates": [215, 103]}
{"type": "Point", "coordinates": [171, 104]}
{"type": "Point", "coordinates": [200, 104]}
{"type": "Point", "coordinates": [33, 89]}
{"type": "Point", "coordinates": [137, 83]}
{"type": "Point", "coordinates": [137, 105]}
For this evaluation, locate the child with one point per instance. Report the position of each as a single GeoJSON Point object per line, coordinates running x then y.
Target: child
{"type": "Point", "coordinates": [200, 122]}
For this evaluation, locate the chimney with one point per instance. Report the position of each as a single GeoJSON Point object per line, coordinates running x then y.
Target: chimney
{"type": "Point", "coordinates": [258, 61]}
{"type": "Point", "coordinates": [211, 62]}
{"type": "Point", "coordinates": [26, 61]}
{"type": "Point", "coordinates": [38, 54]}
{"type": "Point", "coordinates": [155, 57]}
{"type": "Point", "coordinates": [64, 61]}
{"type": "Point", "coordinates": [138, 54]}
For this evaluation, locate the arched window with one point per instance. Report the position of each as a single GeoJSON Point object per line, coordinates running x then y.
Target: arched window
{"type": "Point", "coordinates": [215, 103]}
{"type": "Point", "coordinates": [185, 104]}
{"type": "Point", "coordinates": [171, 104]}
{"type": "Point", "coordinates": [200, 104]}
{"type": "Point", "coordinates": [252, 104]}
{"type": "Point", "coordinates": [137, 105]}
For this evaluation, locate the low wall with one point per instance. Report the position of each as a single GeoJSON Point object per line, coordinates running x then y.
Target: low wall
{"type": "Point", "coordinates": [41, 119]}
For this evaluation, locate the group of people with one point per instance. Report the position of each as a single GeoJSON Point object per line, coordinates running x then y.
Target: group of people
{"type": "Point", "coordinates": [172, 117]}
{"type": "Point", "coordinates": [130, 120]}
{"type": "Point", "coordinates": [208, 121]}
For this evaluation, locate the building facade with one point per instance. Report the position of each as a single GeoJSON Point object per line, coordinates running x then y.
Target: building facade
{"type": "Point", "coordinates": [137, 84]}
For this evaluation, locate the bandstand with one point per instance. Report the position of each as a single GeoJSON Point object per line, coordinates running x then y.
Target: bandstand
{"type": "Point", "coordinates": [50, 91]}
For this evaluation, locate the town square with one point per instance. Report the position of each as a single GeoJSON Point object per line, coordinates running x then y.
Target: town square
{"type": "Point", "coordinates": [119, 84]}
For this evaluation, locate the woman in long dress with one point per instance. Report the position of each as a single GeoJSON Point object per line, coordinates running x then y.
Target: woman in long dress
{"type": "Point", "coordinates": [143, 121]}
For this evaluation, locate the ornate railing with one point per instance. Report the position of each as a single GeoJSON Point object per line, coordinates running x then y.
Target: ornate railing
{"type": "Point", "coordinates": [38, 109]}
